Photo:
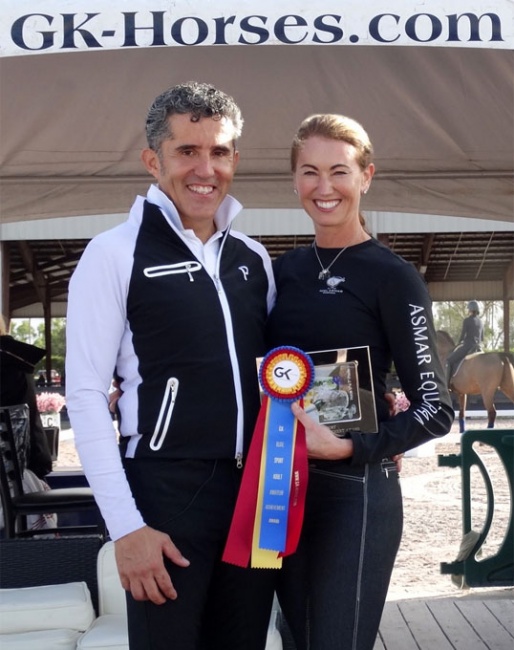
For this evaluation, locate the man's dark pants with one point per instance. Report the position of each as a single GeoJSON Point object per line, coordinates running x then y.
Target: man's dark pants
{"type": "Point", "coordinates": [219, 606]}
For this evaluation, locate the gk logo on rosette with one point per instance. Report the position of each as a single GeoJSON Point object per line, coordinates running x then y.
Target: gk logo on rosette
{"type": "Point", "coordinates": [286, 373]}
{"type": "Point", "coordinates": [269, 511]}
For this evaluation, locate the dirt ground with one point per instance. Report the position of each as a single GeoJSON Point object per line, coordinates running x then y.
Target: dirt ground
{"type": "Point", "coordinates": [432, 513]}
{"type": "Point", "coordinates": [433, 516]}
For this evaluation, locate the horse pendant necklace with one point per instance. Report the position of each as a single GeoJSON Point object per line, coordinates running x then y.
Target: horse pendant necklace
{"type": "Point", "coordinates": [325, 274]}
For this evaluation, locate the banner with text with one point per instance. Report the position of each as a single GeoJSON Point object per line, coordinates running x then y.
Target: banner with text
{"type": "Point", "coordinates": [33, 27]}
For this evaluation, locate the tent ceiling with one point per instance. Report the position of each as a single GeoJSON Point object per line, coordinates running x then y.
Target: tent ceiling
{"type": "Point", "coordinates": [441, 120]}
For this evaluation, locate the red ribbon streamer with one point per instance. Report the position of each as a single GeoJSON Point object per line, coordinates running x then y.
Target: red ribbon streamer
{"type": "Point", "coordinates": [300, 476]}
{"type": "Point", "coordinates": [239, 542]}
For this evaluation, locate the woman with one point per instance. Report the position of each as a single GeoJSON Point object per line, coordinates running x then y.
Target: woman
{"type": "Point", "coordinates": [348, 290]}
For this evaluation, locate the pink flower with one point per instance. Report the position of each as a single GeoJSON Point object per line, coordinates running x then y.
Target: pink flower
{"type": "Point", "coordinates": [401, 402]}
{"type": "Point", "coordinates": [50, 402]}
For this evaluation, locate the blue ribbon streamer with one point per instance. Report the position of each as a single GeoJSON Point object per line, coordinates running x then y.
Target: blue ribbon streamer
{"type": "Point", "coordinates": [277, 476]}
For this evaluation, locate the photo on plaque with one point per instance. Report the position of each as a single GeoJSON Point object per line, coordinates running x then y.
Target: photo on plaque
{"type": "Point", "coordinates": [335, 393]}
{"type": "Point", "coordinates": [342, 395]}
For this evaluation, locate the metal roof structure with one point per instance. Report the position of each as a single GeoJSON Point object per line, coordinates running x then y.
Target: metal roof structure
{"type": "Point", "coordinates": [39, 270]}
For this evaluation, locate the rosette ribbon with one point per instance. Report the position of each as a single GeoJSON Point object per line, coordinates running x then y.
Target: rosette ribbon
{"type": "Point", "coordinates": [268, 516]}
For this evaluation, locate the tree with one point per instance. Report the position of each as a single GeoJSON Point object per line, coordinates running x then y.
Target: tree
{"type": "Point", "coordinates": [24, 330]}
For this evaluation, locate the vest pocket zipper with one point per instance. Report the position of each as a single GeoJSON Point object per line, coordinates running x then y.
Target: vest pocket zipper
{"type": "Point", "coordinates": [163, 421]}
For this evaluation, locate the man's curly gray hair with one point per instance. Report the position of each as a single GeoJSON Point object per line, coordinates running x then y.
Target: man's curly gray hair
{"type": "Point", "coordinates": [194, 98]}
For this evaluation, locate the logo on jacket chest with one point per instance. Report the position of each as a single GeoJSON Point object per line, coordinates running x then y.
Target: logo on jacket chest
{"type": "Point", "coordinates": [334, 285]}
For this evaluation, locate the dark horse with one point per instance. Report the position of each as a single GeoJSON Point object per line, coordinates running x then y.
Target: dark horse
{"type": "Point", "coordinates": [481, 373]}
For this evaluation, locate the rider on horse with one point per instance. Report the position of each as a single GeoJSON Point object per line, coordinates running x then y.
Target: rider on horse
{"type": "Point", "coordinates": [470, 340]}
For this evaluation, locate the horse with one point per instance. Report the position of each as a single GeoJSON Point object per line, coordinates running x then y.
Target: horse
{"type": "Point", "coordinates": [481, 373]}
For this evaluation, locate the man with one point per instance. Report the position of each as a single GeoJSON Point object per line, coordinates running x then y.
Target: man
{"type": "Point", "coordinates": [470, 340]}
{"type": "Point", "coordinates": [173, 304]}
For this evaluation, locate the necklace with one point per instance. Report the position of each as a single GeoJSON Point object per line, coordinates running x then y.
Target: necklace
{"type": "Point", "coordinates": [324, 274]}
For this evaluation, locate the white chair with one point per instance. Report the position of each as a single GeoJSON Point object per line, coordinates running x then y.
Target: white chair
{"type": "Point", "coordinates": [51, 617]}
{"type": "Point", "coordinates": [109, 630]}
{"type": "Point", "coordinates": [62, 617]}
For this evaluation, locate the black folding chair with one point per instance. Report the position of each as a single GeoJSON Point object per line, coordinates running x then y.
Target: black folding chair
{"type": "Point", "coordinates": [17, 504]}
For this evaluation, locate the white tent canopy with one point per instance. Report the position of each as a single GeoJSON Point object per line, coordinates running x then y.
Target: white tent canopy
{"type": "Point", "coordinates": [433, 86]}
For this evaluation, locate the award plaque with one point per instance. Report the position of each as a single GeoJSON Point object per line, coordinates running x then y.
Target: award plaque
{"type": "Point", "coordinates": [342, 394]}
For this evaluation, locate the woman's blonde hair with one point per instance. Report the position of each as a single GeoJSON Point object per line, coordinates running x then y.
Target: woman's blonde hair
{"type": "Point", "coordinates": [333, 127]}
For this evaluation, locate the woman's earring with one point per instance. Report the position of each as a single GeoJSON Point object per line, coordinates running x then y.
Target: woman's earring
{"type": "Point", "coordinates": [295, 190]}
